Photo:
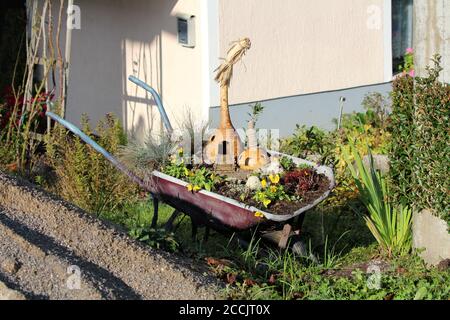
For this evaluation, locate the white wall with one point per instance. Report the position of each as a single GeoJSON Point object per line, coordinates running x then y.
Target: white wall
{"type": "Point", "coordinates": [304, 46]}
{"type": "Point", "coordinates": [119, 38]}
{"type": "Point", "coordinates": [432, 35]}
{"type": "Point", "coordinates": [298, 46]}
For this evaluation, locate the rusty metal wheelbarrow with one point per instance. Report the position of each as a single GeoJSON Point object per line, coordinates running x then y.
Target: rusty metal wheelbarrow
{"type": "Point", "coordinates": [206, 208]}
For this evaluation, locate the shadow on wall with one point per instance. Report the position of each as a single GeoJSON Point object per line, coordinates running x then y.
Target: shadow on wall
{"type": "Point", "coordinates": [109, 47]}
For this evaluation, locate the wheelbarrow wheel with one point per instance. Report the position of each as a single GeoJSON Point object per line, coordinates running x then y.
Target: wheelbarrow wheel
{"type": "Point", "coordinates": [299, 248]}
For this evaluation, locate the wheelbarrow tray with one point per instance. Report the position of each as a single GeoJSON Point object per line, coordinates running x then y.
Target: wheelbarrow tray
{"type": "Point", "coordinates": [223, 213]}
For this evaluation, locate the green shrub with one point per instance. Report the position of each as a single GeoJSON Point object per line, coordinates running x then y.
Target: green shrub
{"type": "Point", "coordinates": [363, 129]}
{"type": "Point", "coordinates": [306, 141]}
{"type": "Point", "coordinates": [84, 176]}
{"type": "Point", "coordinates": [390, 225]}
{"type": "Point", "coordinates": [420, 153]}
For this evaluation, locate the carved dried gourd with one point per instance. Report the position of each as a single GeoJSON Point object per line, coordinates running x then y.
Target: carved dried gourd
{"type": "Point", "coordinates": [253, 157]}
{"type": "Point", "coordinates": [224, 145]}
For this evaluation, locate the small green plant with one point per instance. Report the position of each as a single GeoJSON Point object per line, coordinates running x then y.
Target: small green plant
{"type": "Point", "coordinates": [202, 178]}
{"type": "Point", "coordinates": [287, 163]}
{"type": "Point", "coordinates": [198, 178]}
{"type": "Point", "coordinates": [85, 177]}
{"type": "Point", "coordinates": [307, 141]}
{"type": "Point", "coordinates": [257, 109]}
{"type": "Point", "coordinates": [330, 256]}
{"type": "Point", "coordinates": [408, 66]}
{"type": "Point", "coordinates": [177, 167]}
{"type": "Point", "coordinates": [391, 226]}
{"type": "Point", "coordinates": [155, 238]}
{"type": "Point", "coordinates": [271, 191]}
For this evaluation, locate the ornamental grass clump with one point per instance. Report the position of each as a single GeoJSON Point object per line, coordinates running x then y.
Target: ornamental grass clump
{"type": "Point", "coordinates": [389, 224]}
{"type": "Point", "coordinates": [144, 157]}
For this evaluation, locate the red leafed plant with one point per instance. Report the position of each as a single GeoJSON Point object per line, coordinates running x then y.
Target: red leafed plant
{"type": "Point", "coordinates": [301, 181]}
{"type": "Point", "coordinates": [12, 107]}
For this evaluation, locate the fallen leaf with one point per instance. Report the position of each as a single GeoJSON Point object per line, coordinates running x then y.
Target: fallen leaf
{"type": "Point", "coordinates": [231, 278]}
{"type": "Point", "coordinates": [213, 262]}
{"type": "Point", "coordinates": [390, 296]}
{"type": "Point", "coordinates": [272, 279]}
{"type": "Point", "coordinates": [249, 282]}
{"type": "Point", "coordinates": [401, 270]}
{"type": "Point", "coordinates": [298, 295]}
{"type": "Point", "coordinates": [12, 167]}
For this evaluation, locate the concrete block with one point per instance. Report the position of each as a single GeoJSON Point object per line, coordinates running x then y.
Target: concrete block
{"type": "Point", "coordinates": [431, 233]}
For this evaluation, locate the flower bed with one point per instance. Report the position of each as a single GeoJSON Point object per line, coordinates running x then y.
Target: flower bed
{"type": "Point", "coordinates": [284, 190]}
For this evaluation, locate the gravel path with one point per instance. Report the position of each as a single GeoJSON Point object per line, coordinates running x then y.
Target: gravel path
{"type": "Point", "coordinates": [43, 237]}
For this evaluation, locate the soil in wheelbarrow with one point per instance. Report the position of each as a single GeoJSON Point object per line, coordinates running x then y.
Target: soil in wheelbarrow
{"type": "Point", "coordinates": [239, 192]}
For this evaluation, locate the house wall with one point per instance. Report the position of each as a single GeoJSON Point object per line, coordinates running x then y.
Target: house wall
{"type": "Point", "coordinates": [298, 47]}
{"type": "Point", "coordinates": [282, 115]}
{"type": "Point", "coordinates": [303, 46]}
{"type": "Point", "coordinates": [119, 38]}
{"type": "Point", "coordinates": [432, 35]}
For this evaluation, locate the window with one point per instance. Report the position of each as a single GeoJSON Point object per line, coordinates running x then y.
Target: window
{"type": "Point", "coordinates": [182, 31]}
{"type": "Point", "coordinates": [402, 30]}
{"type": "Point", "coordinates": [186, 30]}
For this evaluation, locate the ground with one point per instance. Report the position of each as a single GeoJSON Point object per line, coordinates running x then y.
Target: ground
{"type": "Point", "coordinates": [45, 241]}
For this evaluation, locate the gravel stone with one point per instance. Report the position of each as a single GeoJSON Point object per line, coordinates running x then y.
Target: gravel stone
{"type": "Point", "coordinates": [57, 251]}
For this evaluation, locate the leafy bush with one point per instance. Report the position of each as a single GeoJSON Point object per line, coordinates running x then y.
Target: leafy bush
{"type": "Point", "coordinates": [391, 226]}
{"type": "Point", "coordinates": [85, 177]}
{"type": "Point", "coordinates": [363, 129]}
{"type": "Point", "coordinates": [420, 135]}
{"type": "Point", "coordinates": [307, 141]}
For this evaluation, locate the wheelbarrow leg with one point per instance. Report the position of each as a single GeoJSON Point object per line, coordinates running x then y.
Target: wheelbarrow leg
{"type": "Point", "coordinates": [299, 222]}
{"type": "Point", "coordinates": [169, 224]}
{"type": "Point", "coordinates": [155, 212]}
{"type": "Point", "coordinates": [206, 236]}
{"type": "Point", "coordinates": [194, 229]}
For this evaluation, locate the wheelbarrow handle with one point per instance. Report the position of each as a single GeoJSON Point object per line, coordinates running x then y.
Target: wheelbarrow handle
{"type": "Point", "coordinates": [158, 101]}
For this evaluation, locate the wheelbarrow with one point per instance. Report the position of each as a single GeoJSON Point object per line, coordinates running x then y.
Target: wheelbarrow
{"type": "Point", "coordinates": [206, 208]}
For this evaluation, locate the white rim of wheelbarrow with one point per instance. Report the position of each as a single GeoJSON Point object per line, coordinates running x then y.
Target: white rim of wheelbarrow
{"type": "Point", "coordinates": [327, 171]}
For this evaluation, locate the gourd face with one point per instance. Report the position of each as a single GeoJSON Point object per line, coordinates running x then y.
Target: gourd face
{"type": "Point", "coordinates": [223, 147]}
{"type": "Point", "coordinates": [253, 159]}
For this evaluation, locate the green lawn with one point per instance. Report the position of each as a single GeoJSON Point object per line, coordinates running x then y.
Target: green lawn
{"type": "Point", "coordinates": [338, 239]}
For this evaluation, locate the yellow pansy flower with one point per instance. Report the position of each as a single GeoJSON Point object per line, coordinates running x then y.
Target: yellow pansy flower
{"type": "Point", "coordinates": [273, 189]}
{"type": "Point", "coordinates": [266, 202]}
{"type": "Point", "coordinates": [264, 183]}
{"type": "Point", "coordinates": [259, 214]}
{"type": "Point", "coordinates": [274, 178]}
{"type": "Point", "coordinates": [190, 187]}
{"type": "Point", "coordinates": [196, 188]}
